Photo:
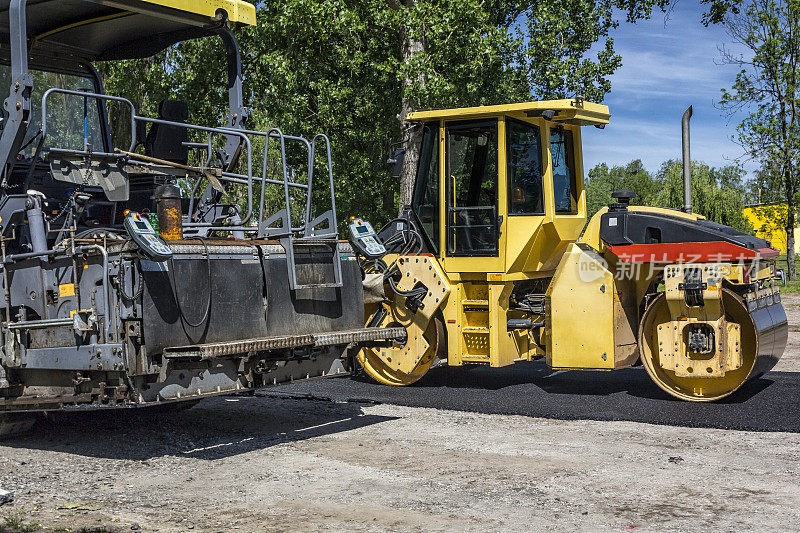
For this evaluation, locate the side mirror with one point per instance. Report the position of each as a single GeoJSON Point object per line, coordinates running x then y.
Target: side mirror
{"type": "Point", "coordinates": [395, 162]}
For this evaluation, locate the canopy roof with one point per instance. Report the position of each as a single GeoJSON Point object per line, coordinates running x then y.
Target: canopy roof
{"type": "Point", "coordinates": [577, 112]}
{"type": "Point", "coordinates": [88, 30]}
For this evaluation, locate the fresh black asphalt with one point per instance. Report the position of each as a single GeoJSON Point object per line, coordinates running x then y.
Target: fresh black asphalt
{"type": "Point", "coordinates": [769, 403]}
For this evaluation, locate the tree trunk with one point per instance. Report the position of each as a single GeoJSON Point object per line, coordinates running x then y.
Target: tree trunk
{"type": "Point", "coordinates": [412, 136]}
{"type": "Point", "coordinates": [790, 223]}
{"type": "Point", "coordinates": [407, 175]}
{"type": "Point", "coordinates": [790, 150]}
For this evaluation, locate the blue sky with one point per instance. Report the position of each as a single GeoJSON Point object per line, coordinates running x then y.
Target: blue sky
{"type": "Point", "coordinates": [667, 65]}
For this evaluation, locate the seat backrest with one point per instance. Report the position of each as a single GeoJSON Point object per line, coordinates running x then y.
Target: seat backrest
{"type": "Point", "coordinates": [166, 141]}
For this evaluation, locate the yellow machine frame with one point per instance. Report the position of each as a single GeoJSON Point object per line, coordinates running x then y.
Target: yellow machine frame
{"type": "Point", "coordinates": [476, 306]}
{"type": "Point", "coordinates": [238, 10]}
{"type": "Point", "coordinates": [530, 246]}
{"type": "Point", "coordinates": [590, 317]}
{"type": "Point", "coordinates": [527, 244]}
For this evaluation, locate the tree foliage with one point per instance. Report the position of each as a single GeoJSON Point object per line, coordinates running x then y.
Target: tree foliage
{"type": "Point", "coordinates": [767, 92]}
{"type": "Point", "coordinates": [345, 68]}
{"type": "Point", "coordinates": [717, 193]}
{"type": "Point", "coordinates": [602, 181]}
{"type": "Point", "coordinates": [765, 187]}
{"type": "Point", "coordinates": [474, 52]}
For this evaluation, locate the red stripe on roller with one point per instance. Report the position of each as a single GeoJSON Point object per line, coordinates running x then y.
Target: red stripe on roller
{"type": "Point", "coordinates": [689, 252]}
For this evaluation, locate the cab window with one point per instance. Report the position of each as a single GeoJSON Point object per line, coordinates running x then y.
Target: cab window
{"type": "Point", "coordinates": [526, 193]}
{"type": "Point", "coordinates": [425, 202]}
{"type": "Point", "coordinates": [472, 216]}
{"type": "Point", "coordinates": [565, 187]}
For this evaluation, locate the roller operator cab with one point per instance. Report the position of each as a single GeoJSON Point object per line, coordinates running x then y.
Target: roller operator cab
{"type": "Point", "coordinates": [494, 262]}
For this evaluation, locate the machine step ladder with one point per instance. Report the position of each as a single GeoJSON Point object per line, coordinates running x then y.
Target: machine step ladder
{"type": "Point", "coordinates": [290, 245]}
{"type": "Point", "coordinates": [474, 310]}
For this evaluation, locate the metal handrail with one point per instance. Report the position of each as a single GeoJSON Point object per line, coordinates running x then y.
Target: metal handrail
{"type": "Point", "coordinates": [226, 176]}
{"type": "Point", "coordinates": [309, 218]}
{"type": "Point", "coordinates": [286, 197]}
{"type": "Point", "coordinates": [209, 156]}
{"type": "Point", "coordinates": [277, 133]}
{"type": "Point", "coordinates": [232, 177]}
{"type": "Point", "coordinates": [87, 94]}
{"type": "Point", "coordinates": [263, 179]}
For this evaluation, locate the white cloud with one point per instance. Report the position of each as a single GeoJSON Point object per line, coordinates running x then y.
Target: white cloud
{"type": "Point", "coordinates": [665, 69]}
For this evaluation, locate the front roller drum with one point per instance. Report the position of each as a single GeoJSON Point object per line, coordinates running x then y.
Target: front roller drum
{"type": "Point", "coordinates": [763, 330]}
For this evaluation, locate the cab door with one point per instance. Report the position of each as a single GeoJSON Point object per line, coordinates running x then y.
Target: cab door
{"type": "Point", "coordinates": [472, 196]}
{"type": "Point", "coordinates": [425, 203]}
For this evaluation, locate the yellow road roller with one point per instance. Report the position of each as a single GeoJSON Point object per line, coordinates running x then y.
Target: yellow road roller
{"type": "Point", "coordinates": [493, 263]}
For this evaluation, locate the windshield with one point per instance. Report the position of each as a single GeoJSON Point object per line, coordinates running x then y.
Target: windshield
{"type": "Point", "coordinates": [72, 121]}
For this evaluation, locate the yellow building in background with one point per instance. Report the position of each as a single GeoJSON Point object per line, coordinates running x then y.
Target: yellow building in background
{"type": "Point", "coordinates": [768, 221]}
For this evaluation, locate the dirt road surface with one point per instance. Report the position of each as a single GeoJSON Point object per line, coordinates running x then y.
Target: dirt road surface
{"type": "Point", "coordinates": [281, 464]}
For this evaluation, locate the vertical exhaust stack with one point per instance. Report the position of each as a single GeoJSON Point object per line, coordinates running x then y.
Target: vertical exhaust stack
{"type": "Point", "coordinates": [687, 162]}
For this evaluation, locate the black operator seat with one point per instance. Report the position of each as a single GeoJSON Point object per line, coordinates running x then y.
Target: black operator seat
{"type": "Point", "coordinates": [166, 141]}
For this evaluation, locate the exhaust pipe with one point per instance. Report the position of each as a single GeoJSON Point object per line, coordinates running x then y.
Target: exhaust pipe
{"type": "Point", "coordinates": [687, 162]}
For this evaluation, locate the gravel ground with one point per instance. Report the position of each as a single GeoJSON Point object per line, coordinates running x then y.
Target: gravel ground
{"type": "Point", "coordinates": [272, 464]}
{"type": "Point", "coordinates": [790, 362]}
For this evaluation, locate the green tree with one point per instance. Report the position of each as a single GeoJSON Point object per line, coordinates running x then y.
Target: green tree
{"type": "Point", "coordinates": [766, 89]}
{"type": "Point", "coordinates": [729, 177]}
{"type": "Point", "coordinates": [765, 187]}
{"type": "Point", "coordinates": [717, 194]}
{"type": "Point", "coordinates": [192, 71]}
{"type": "Point", "coordinates": [355, 69]}
{"type": "Point", "coordinates": [602, 181]}
{"type": "Point", "coordinates": [473, 52]}
{"type": "Point", "coordinates": [451, 53]}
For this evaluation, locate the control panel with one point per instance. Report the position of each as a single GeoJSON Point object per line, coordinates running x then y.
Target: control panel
{"type": "Point", "coordinates": [365, 239]}
{"type": "Point", "coordinates": [151, 245]}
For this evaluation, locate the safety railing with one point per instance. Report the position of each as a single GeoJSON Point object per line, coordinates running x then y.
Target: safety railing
{"type": "Point", "coordinates": [279, 224]}
{"type": "Point", "coordinates": [313, 223]}
{"type": "Point", "coordinates": [310, 227]}
{"type": "Point", "coordinates": [265, 225]}
{"type": "Point", "coordinates": [86, 95]}
{"type": "Point", "coordinates": [241, 179]}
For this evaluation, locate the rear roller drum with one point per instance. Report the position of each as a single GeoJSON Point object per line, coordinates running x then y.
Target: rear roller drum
{"type": "Point", "coordinates": [376, 367]}
{"type": "Point", "coordinates": [699, 389]}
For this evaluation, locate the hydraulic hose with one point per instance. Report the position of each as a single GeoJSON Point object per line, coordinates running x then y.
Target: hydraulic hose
{"type": "Point", "coordinates": [175, 289]}
{"type": "Point", "coordinates": [125, 295]}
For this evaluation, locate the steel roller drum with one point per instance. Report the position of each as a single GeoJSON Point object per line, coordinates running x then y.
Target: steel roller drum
{"type": "Point", "coordinates": [772, 329]}
{"type": "Point", "coordinates": [764, 333]}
